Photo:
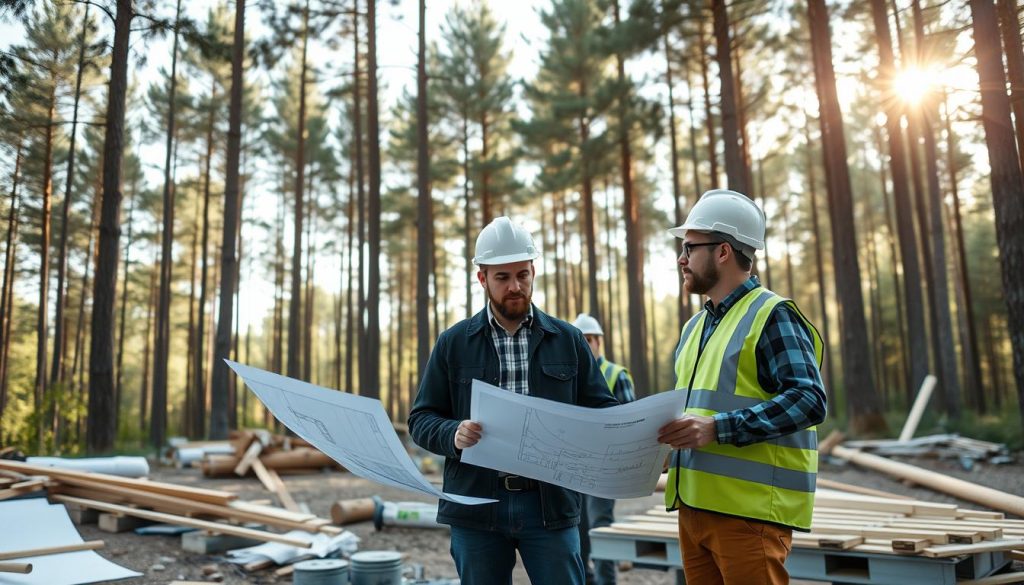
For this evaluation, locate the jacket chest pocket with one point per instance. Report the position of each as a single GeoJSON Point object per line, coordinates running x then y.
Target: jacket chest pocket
{"type": "Point", "coordinates": [462, 377]}
{"type": "Point", "coordinates": [556, 381]}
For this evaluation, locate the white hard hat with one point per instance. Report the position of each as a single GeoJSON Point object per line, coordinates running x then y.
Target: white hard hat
{"type": "Point", "coordinates": [588, 325]}
{"type": "Point", "coordinates": [503, 242]}
{"type": "Point", "coordinates": [726, 212]}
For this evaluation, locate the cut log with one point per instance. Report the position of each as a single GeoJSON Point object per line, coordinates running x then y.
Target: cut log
{"type": "Point", "coordinates": [300, 458]}
{"type": "Point", "coordinates": [183, 521]}
{"type": "Point", "coordinates": [959, 488]}
{"type": "Point", "coordinates": [351, 511]}
{"type": "Point", "coordinates": [21, 568]}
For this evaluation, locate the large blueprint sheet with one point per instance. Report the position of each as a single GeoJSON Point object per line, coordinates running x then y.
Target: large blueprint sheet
{"type": "Point", "coordinates": [606, 452]}
{"type": "Point", "coordinates": [353, 430]}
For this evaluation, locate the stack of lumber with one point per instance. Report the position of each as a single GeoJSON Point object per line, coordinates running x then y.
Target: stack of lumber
{"type": "Point", "coordinates": [844, 521]}
{"type": "Point", "coordinates": [212, 510]}
{"type": "Point", "coordinates": [274, 452]}
{"type": "Point", "coordinates": [948, 446]}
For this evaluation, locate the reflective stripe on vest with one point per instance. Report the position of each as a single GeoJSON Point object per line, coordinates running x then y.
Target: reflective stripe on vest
{"type": "Point", "coordinates": [772, 481]}
{"type": "Point", "coordinates": [611, 372]}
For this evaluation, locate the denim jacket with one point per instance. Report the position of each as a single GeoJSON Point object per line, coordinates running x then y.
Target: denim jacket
{"type": "Point", "coordinates": [561, 368]}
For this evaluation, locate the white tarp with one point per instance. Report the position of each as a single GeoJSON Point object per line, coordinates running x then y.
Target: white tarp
{"type": "Point", "coordinates": [606, 452]}
{"type": "Point", "coordinates": [353, 430]}
{"type": "Point", "coordinates": [35, 523]}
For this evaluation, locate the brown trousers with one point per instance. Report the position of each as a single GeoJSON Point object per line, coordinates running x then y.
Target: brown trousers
{"type": "Point", "coordinates": [723, 550]}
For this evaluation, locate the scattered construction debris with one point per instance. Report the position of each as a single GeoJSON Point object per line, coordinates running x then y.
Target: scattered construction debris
{"type": "Point", "coordinates": [946, 446]}
{"type": "Point", "coordinates": [174, 504]}
{"type": "Point", "coordinates": [965, 490]}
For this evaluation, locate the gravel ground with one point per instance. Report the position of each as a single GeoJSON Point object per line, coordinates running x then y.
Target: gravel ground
{"type": "Point", "coordinates": [428, 547]}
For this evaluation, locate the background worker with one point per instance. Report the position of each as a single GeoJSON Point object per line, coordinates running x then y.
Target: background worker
{"type": "Point", "coordinates": [597, 511]}
{"type": "Point", "coordinates": [512, 344]}
{"type": "Point", "coordinates": [744, 475]}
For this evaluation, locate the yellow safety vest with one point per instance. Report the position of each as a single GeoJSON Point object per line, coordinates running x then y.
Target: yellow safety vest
{"type": "Point", "coordinates": [611, 372]}
{"type": "Point", "coordinates": [771, 481]}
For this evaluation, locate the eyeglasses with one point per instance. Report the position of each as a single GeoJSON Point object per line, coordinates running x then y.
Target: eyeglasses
{"type": "Point", "coordinates": [689, 246]}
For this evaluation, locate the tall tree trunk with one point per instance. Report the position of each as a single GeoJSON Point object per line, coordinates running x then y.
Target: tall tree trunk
{"type": "Point", "coordinates": [1007, 182]}
{"type": "Point", "coordinates": [295, 302]}
{"type": "Point", "coordinates": [199, 369]}
{"type": "Point", "coordinates": [350, 315]}
{"type": "Point", "coordinates": [192, 423]}
{"type": "Point", "coordinates": [100, 432]}
{"type": "Point", "coordinates": [360, 184]}
{"type": "Point", "coordinates": [611, 331]}
{"type": "Point", "coordinates": [1009, 26]}
{"type": "Point", "coordinates": [372, 388]}
{"type": "Point", "coordinates": [123, 321]}
{"type": "Point", "coordinates": [424, 214]}
{"type": "Point", "coordinates": [587, 194]}
{"type": "Point", "coordinates": [6, 293]}
{"type": "Point", "coordinates": [144, 389]}
{"type": "Point", "coordinates": [734, 171]}
{"type": "Point", "coordinates": [916, 332]}
{"type": "Point", "coordinates": [42, 332]}
{"type": "Point", "coordinates": [309, 315]}
{"type": "Point", "coordinates": [634, 238]}
{"type": "Point", "coordinates": [969, 337]}
{"type": "Point", "coordinates": [219, 411]}
{"type": "Point", "coordinates": [59, 334]}
{"type": "Point", "coordinates": [467, 225]}
{"type": "Point", "coordinates": [819, 264]}
{"type": "Point", "coordinates": [943, 323]}
{"type": "Point", "coordinates": [862, 398]}
{"type": "Point", "coordinates": [162, 343]}
{"type": "Point", "coordinates": [709, 118]}
{"type": "Point", "coordinates": [78, 365]}
{"type": "Point", "coordinates": [677, 197]}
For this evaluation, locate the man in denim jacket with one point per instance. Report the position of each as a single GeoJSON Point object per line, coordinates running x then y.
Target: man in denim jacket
{"type": "Point", "coordinates": [514, 345]}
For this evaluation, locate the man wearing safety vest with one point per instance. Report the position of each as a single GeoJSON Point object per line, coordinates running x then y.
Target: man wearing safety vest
{"type": "Point", "coordinates": [598, 512]}
{"type": "Point", "coordinates": [744, 471]}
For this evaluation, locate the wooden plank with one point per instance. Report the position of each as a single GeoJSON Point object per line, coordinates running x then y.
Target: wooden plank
{"type": "Point", "coordinates": [912, 545]}
{"type": "Point", "coordinates": [952, 550]}
{"type": "Point", "coordinates": [24, 487]}
{"type": "Point", "coordinates": [180, 506]}
{"type": "Point", "coordinates": [251, 454]}
{"type": "Point", "coordinates": [829, 541]}
{"type": "Point", "coordinates": [274, 511]}
{"type": "Point", "coordinates": [1004, 579]}
{"type": "Point", "coordinates": [51, 550]}
{"type": "Point", "coordinates": [882, 532]}
{"type": "Point", "coordinates": [263, 475]}
{"type": "Point", "coordinates": [70, 476]}
{"type": "Point", "coordinates": [856, 489]}
{"type": "Point", "coordinates": [920, 402]}
{"type": "Point", "coordinates": [282, 492]}
{"type": "Point", "coordinates": [183, 521]}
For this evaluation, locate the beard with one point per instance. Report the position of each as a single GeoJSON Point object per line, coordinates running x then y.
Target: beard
{"type": "Point", "coordinates": [513, 306]}
{"type": "Point", "coordinates": [704, 280]}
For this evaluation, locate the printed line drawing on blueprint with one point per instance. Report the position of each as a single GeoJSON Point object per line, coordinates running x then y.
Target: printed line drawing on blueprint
{"type": "Point", "coordinates": [606, 452]}
{"type": "Point", "coordinates": [549, 446]}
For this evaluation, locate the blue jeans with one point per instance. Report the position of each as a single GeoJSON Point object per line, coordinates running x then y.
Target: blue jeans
{"type": "Point", "coordinates": [486, 557]}
{"type": "Point", "coordinates": [597, 512]}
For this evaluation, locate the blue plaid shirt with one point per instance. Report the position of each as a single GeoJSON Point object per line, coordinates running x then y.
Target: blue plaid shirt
{"type": "Point", "coordinates": [513, 352]}
{"type": "Point", "coordinates": [623, 390]}
{"type": "Point", "coordinates": [786, 367]}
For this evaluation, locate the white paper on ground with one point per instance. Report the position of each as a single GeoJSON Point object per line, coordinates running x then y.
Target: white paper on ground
{"type": "Point", "coordinates": [280, 553]}
{"type": "Point", "coordinates": [605, 452]}
{"type": "Point", "coordinates": [353, 430]}
{"type": "Point", "coordinates": [35, 523]}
